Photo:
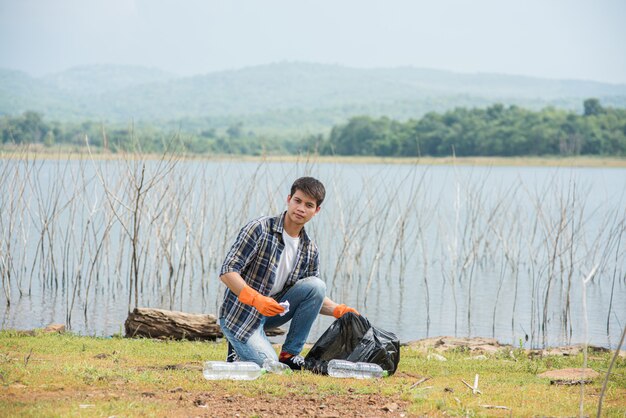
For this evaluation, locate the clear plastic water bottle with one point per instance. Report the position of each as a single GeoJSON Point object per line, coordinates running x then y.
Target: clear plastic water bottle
{"type": "Point", "coordinates": [276, 367]}
{"type": "Point", "coordinates": [345, 368]}
{"type": "Point", "coordinates": [238, 370]}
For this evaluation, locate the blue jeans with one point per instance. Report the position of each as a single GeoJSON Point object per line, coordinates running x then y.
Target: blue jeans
{"type": "Point", "coordinates": [305, 301]}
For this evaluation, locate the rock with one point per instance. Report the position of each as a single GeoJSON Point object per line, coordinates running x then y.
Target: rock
{"type": "Point", "coordinates": [52, 328]}
{"type": "Point", "coordinates": [477, 345]}
{"type": "Point", "coordinates": [570, 374]}
{"type": "Point", "coordinates": [568, 350]}
{"type": "Point", "coordinates": [435, 356]}
{"type": "Point", "coordinates": [392, 407]}
{"type": "Point", "coordinates": [487, 346]}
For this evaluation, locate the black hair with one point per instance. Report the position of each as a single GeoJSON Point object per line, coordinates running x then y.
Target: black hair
{"type": "Point", "coordinates": [311, 187]}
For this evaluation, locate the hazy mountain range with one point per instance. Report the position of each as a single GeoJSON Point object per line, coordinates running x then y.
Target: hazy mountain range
{"type": "Point", "coordinates": [280, 95]}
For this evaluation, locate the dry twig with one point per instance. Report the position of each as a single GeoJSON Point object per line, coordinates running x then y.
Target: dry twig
{"type": "Point", "coordinates": [495, 407]}
{"type": "Point", "coordinates": [473, 388]}
{"type": "Point", "coordinates": [419, 382]}
{"type": "Point", "coordinates": [27, 358]}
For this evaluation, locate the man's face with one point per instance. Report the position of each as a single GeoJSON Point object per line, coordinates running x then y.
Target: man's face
{"type": "Point", "coordinates": [301, 207]}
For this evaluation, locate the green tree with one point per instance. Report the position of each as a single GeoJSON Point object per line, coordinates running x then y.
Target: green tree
{"type": "Point", "coordinates": [49, 139]}
{"type": "Point", "coordinates": [235, 130]}
{"type": "Point", "coordinates": [592, 107]}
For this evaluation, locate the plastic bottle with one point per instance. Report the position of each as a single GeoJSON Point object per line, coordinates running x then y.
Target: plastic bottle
{"type": "Point", "coordinates": [345, 368]}
{"type": "Point", "coordinates": [273, 366]}
{"type": "Point", "coordinates": [238, 370]}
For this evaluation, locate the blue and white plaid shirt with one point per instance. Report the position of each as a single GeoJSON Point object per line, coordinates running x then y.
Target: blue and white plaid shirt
{"type": "Point", "coordinates": [255, 255]}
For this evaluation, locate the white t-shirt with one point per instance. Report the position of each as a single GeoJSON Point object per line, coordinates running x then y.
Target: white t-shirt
{"type": "Point", "coordinates": [286, 262]}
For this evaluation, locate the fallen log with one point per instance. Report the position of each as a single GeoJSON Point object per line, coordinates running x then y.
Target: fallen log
{"type": "Point", "coordinates": [164, 324]}
{"type": "Point", "coordinates": [161, 323]}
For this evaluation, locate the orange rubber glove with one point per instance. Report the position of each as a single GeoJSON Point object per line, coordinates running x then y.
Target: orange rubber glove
{"type": "Point", "coordinates": [267, 306]}
{"type": "Point", "coordinates": [341, 310]}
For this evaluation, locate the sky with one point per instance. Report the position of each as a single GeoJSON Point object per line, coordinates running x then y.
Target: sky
{"type": "Point", "coordinates": [558, 39]}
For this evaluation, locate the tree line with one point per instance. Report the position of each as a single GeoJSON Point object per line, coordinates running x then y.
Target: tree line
{"type": "Point", "coordinates": [496, 130]}
{"type": "Point", "coordinates": [493, 131]}
{"type": "Point", "coordinates": [32, 128]}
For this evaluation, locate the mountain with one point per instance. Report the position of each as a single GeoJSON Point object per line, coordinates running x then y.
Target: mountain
{"type": "Point", "coordinates": [98, 79]}
{"type": "Point", "coordinates": [20, 92]}
{"type": "Point", "coordinates": [281, 95]}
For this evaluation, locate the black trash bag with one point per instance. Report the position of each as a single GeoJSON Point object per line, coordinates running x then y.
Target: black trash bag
{"type": "Point", "coordinates": [353, 338]}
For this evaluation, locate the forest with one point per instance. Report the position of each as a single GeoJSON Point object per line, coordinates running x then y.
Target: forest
{"type": "Point", "coordinates": [495, 130]}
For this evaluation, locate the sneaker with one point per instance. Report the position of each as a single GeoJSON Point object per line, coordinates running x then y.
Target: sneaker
{"type": "Point", "coordinates": [232, 356]}
{"type": "Point", "coordinates": [294, 362]}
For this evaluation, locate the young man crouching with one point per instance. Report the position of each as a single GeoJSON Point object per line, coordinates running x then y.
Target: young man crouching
{"type": "Point", "coordinates": [273, 260]}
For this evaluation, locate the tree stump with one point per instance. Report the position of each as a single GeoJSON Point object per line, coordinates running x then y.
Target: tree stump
{"type": "Point", "coordinates": [161, 323]}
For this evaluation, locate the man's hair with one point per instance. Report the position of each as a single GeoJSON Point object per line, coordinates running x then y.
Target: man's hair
{"type": "Point", "coordinates": [311, 187]}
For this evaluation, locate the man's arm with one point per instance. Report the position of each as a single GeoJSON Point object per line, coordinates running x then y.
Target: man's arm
{"type": "Point", "coordinates": [233, 281]}
{"type": "Point", "coordinates": [328, 306]}
{"type": "Point", "coordinates": [331, 308]}
{"type": "Point", "coordinates": [265, 305]}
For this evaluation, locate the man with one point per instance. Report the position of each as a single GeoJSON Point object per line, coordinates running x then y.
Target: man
{"type": "Point", "coordinates": [274, 261]}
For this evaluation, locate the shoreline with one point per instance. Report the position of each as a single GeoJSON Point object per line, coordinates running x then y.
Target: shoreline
{"type": "Point", "coordinates": [40, 153]}
{"type": "Point", "coordinates": [487, 345]}
{"type": "Point", "coordinates": [442, 343]}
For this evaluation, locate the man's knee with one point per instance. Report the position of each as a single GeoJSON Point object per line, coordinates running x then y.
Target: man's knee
{"type": "Point", "coordinates": [315, 285]}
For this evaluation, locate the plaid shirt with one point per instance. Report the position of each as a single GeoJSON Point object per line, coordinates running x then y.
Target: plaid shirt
{"type": "Point", "coordinates": [255, 255]}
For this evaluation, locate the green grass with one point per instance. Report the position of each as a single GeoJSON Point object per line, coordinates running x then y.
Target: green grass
{"type": "Point", "coordinates": [69, 375]}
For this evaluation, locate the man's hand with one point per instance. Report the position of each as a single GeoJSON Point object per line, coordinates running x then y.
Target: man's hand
{"type": "Point", "coordinates": [341, 310]}
{"type": "Point", "coordinates": [265, 305]}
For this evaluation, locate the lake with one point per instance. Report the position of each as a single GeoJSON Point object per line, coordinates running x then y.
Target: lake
{"type": "Point", "coordinates": [528, 255]}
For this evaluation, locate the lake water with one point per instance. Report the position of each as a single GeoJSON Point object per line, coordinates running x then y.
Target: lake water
{"type": "Point", "coordinates": [420, 250]}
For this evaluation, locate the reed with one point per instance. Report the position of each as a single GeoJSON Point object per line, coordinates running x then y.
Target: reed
{"type": "Point", "coordinates": [153, 231]}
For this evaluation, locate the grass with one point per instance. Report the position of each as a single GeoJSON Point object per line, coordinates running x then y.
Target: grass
{"type": "Point", "coordinates": [70, 375]}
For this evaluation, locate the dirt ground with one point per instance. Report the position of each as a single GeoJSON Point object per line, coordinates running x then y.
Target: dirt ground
{"type": "Point", "coordinates": [177, 402]}
{"type": "Point", "coordinates": [309, 406]}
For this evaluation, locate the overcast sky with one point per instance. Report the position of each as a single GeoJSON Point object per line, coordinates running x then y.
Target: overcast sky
{"type": "Point", "coordinates": [571, 39]}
